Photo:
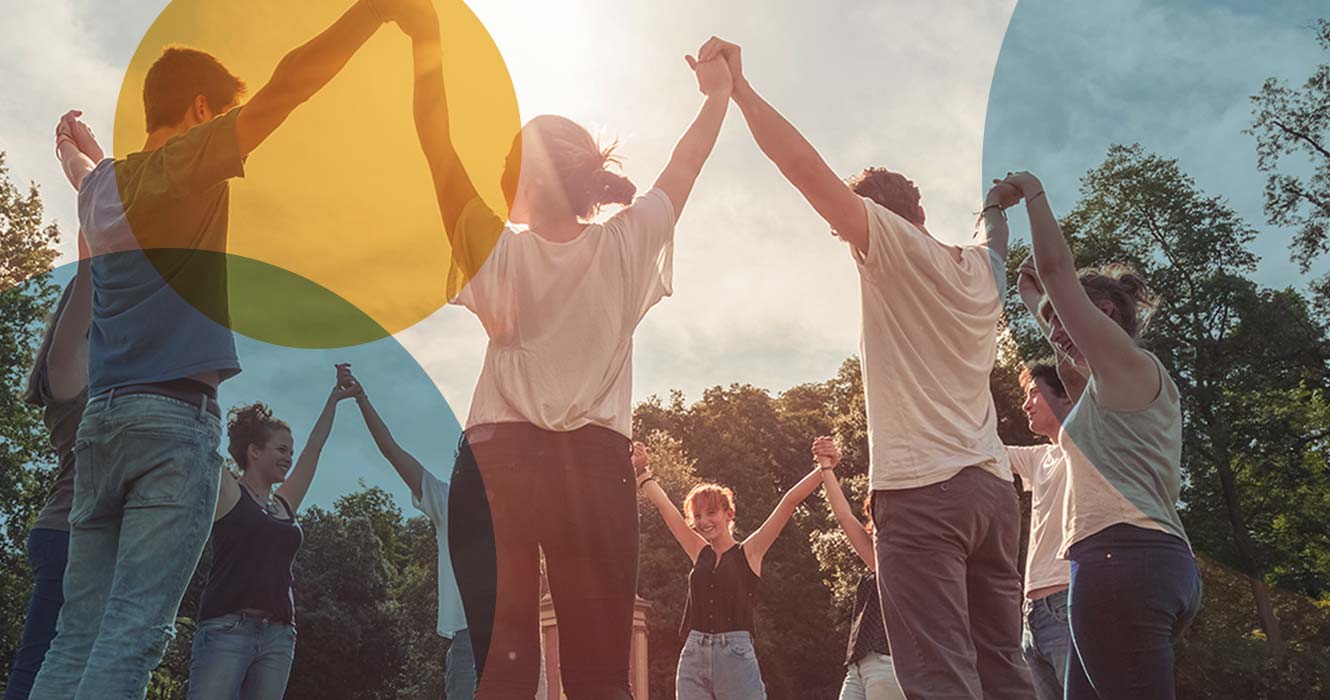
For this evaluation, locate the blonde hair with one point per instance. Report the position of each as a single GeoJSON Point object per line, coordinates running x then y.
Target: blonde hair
{"type": "Point", "coordinates": [706, 497]}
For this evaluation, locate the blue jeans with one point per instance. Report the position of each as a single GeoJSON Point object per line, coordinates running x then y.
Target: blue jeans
{"type": "Point", "coordinates": [48, 551]}
{"type": "Point", "coordinates": [1133, 593]}
{"type": "Point", "coordinates": [241, 657]}
{"type": "Point", "coordinates": [1046, 643]}
{"type": "Point", "coordinates": [145, 487]}
{"type": "Point", "coordinates": [459, 675]}
{"type": "Point", "coordinates": [871, 678]}
{"type": "Point", "coordinates": [719, 666]}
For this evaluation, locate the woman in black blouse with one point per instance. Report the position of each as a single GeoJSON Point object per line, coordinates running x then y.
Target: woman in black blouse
{"type": "Point", "coordinates": [869, 674]}
{"type": "Point", "coordinates": [718, 661]}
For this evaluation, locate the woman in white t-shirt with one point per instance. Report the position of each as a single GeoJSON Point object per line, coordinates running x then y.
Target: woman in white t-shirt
{"type": "Point", "coordinates": [1135, 586]}
{"type": "Point", "coordinates": [544, 462]}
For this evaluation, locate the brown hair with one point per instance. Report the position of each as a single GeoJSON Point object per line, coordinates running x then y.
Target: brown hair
{"type": "Point", "coordinates": [579, 162]}
{"type": "Point", "coordinates": [892, 190]}
{"type": "Point", "coordinates": [706, 497]}
{"type": "Point", "coordinates": [178, 76]}
{"type": "Point", "coordinates": [250, 425]}
{"type": "Point", "coordinates": [1043, 370]}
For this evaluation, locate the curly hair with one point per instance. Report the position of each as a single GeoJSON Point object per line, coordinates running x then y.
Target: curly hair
{"type": "Point", "coordinates": [705, 497]}
{"type": "Point", "coordinates": [250, 425]}
{"type": "Point", "coordinates": [890, 189]}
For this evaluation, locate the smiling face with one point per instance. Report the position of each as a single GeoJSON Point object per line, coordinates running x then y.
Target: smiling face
{"type": "Point", "coordinates": [709, 510]}
{"type": "Point", "coordinates": [271, 461]}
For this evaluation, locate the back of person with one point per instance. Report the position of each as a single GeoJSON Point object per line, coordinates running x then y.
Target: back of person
{"type": "Point", "coordinates": [929, 344]}
{"type": "Point", "coordinates": [156, 223]}
{"type": "Point", "coordinates": [561, 316]}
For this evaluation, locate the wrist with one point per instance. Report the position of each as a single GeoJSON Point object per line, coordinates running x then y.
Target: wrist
{"type": "Point", "coordinates": [741, 90]}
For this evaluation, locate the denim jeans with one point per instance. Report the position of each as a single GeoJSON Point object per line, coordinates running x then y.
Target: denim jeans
{"type": "Point", "coordinates": [1133, 593]}
{"type": "Point", "coordinates": [1046, 644]}
{"type": "Point", "coordinates": [241, 657]}
{"type": "Point", "coordinates": [518, 491]}
{"type": "Point", "coordinates": [145, 486]}
{"type": "Point", "coordinates": [719, 666]}
{"type": "Point", "coordinates": [459, 675]}
{"type": "Point", "coordinates": [871, 678]}
{"type": "Point", "coordinates": [48, 551]}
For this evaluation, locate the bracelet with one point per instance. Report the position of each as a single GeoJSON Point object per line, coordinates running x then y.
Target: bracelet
{"type": "Point", "coordinates": [643, 482]}
{"type": "Point", "coordinates": [1031, 198]}
{"type": "Point", "coordinates": [1001, 210]}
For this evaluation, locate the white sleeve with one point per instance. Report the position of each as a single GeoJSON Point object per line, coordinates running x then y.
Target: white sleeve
{"type": "Point", "coordinates": [645, 233]}
{"type": "Point", "coordinates": [433, 501]}
{"type": "Point", "coordinates": [471, 281]}
{"type": "Point", "coordinates": [893, 241]}
{"type": "Point", "coordinates": [1025, 461]}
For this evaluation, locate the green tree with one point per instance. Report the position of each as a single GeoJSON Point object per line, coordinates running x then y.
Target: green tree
{"type": "Point", "coordinates": [1293, 124]}
{"type": "Point", "coordinates": [1221, 337]}
{"type": "Point", "coordinates": [27, 297]}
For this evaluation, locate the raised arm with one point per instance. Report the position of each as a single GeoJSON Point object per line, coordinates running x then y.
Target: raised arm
{"type": "Point", "coordinates": [797, 160]}
{"type": "Point", "coordinates": [692, 543]}
{"type": "Point", "coordinates": [295, 487]}
{"type": "Point", "coordinates": [76, 147]}
{"type": "Point", "coordinates": [828, 456]}
{"type": "Point", "coordinates": [757, 544]}
{"type": "Point", "coordinates": [307, 68]}
{"type": "Point", "coordinates": [1128, 378]}
{"type": "Point", "coordinates": [696, 144]}
{"type": "Point", "coordinates": [452, 186]}
{"type": "Point", "coordinates": [406, 465]}
{"type": "Point", "coordinates": [993, 218]}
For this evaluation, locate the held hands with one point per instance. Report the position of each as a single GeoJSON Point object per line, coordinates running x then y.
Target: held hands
{"type": "Point", "coordinates": [713, 77]}
{"type": "Point", "coordinates": [826, 452]}
{"type": "Point", "coordinates": [1003, 195]}
{"type": "Point", "coordinates": [1024, 182]}
{"type": "Point", "coordinates": [416, 18]}
{"type": "Point", "coordinates": [347, 386]}
{"type": "Point", "coordinates": [72, 129]}
{"type": "Point", "coordinates": [715, 48]}
{"type": "Point", "coordinates": [642, 463]}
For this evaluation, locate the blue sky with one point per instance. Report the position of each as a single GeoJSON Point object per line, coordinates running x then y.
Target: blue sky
{"type": "Point", "coordinates": [1175, 77]}
{"type": "Point", "coordinates": [762, 293]}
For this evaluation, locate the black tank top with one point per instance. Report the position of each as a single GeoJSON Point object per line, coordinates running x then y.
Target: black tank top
{"type": "Point", "coordinates": [721, 595]}
{"type": "Point", "coordinates": [252, 555]}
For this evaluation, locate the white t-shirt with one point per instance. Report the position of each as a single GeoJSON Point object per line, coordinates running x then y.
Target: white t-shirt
{"type": "Point", "coordinates": [928, 347]}
{"type": "Point", "coordinates": [561, 316]}
{"type": "Point", "coordinates": [434, 503]}
{"type": "Point", "coordinates": [1043, 472]}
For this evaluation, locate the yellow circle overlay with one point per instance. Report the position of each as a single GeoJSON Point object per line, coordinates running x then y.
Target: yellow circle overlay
{"type": "Point", "coordinates": [335, 232]}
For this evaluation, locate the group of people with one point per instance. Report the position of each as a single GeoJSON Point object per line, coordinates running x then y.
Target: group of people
{"type": "Point", "coordinates": [129, 368]}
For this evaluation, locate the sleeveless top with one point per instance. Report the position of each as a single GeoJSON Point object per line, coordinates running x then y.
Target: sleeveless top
{"type": "Point", "coordinates": [252, 555]}
{"type": "Point", "coordinates": [721, 595]}
{"type": "Point", "coordinates": [868, 634]}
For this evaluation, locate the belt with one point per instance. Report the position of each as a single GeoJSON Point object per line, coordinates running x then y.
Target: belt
{"type": "Point", "coordinates": [185, 390]}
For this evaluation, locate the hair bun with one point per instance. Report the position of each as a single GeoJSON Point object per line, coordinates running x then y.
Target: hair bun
{"type": "Point", "coordinates": [611, 188]}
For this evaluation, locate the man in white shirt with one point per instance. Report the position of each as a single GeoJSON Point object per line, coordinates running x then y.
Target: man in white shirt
{"type": "Point", "coordinates": [1046, 642]}
{"type": "Point", "coordinates": [945, 511]}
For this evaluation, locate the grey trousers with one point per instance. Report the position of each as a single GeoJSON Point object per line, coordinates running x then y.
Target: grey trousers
{"type": "Point", "coordinates": [950, 588]}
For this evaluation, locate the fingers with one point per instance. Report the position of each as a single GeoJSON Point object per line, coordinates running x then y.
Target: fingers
{"type": "Point", "coordinates": [692, 62]}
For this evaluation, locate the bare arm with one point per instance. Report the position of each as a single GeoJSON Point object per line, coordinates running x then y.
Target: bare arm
{"type": "Point", "coordinates": [303, 72]}
{"type": "Point", "coordinates": [452, 186]}
{"type": "Point", "coordinates": [295, 487]}
{"type": "Point", "coordinates": [692, 543]}
{"type": "Point", "coordinates": [1128, 378]}
{"type": "Point", "coordinates": [407, 467]}
{"type": "Point", "coordinates": [696, 144]}
{"type": "Point", "coordinates": [757, 544]}
{"type": "Point", "coordinates": [828, 456]}
{"type": "Point", "coordinates": [796, 159]}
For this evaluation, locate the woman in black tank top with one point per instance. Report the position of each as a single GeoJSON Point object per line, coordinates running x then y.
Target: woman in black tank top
{"type": "Point", "coordinates": [245, 640]}
{"type": "Point", "coordinates": [718, 661]}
